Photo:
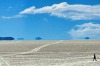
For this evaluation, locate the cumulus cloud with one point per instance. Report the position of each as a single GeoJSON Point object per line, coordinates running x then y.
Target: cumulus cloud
{"type": "Point", "coordinates": [85, 30]}
{"type": "Point", "coordinates": [67, 11]}
{"type": "Point", "coordinates": [64, 10]}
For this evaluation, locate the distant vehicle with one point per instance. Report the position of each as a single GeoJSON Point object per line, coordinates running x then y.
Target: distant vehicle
{"type": "Point", "coordinates": [7, 38]}
{"type": "Point", "coordinates": [20, 38]}
{"type": "Point", "coordinates": [38, 38]}
{"type": "Point", "coordinates": [87, 38]}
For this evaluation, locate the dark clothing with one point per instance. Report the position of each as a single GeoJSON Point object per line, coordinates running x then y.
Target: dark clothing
{"type": "Point", "coordinates": [94, 58]}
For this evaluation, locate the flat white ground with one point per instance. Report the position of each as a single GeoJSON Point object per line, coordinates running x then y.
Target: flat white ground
{"type": "Point", "coordinates": [49, 53]}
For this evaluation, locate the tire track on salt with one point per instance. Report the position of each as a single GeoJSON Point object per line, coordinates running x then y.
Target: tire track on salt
{"type": "Point", "coordinates": [31, 51]}
{"type": "Point", "coordinates": [4, 61]}
{"type": "Point", "coordinates": [40, 47]}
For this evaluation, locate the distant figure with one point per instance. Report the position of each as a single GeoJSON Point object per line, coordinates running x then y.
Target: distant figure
{"type": "Point", "coordinates": [94, 58]}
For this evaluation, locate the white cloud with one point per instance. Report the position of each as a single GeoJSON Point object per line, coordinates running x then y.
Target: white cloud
{"type": "Point", "coordinates": [10, 7]}
{"type": "Point", "coordinates": [45, 19]}
{"type": "Point", "coordinates": [64, 10]}
{"type": "Point", "coordinates": [10, 17]}
{"type": "Point", "coordinates": [85, 30]}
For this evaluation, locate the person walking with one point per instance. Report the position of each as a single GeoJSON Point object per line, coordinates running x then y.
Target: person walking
{"type": "Point", "coordinates": [94, 58]}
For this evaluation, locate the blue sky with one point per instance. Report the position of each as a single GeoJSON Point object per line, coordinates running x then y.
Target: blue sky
{"type": "Point", "coordinates": [50, 19]}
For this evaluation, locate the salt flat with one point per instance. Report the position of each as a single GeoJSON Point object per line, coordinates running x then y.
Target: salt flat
{"type": "Point", "coordinates": [49, 53]}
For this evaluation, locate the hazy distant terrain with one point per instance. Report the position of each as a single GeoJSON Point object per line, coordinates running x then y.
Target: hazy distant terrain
{"type": "Point", "coordinates": [49, 53]}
